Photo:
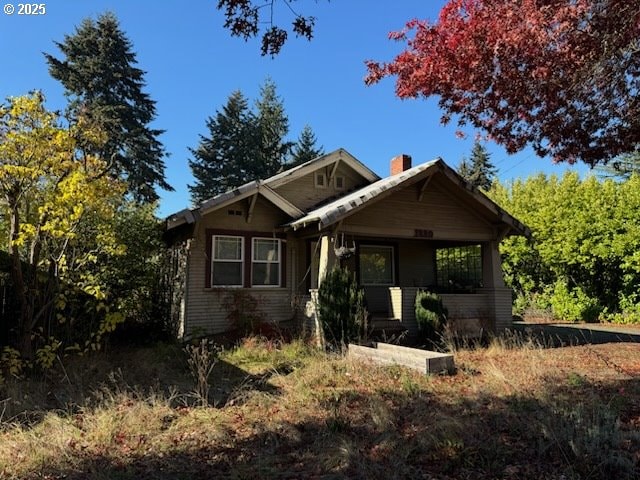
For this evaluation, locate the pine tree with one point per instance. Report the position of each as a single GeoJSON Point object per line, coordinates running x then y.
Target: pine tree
{"type": "Point", "coordinates": [305, 148]}
{"type": "Point", "coordinates": [465, 169]}
{"type": "Point", "coordinates": [622, 167]}
{"type": "Point", "coordinates": [225, 158]}
{"type": "Point", "coordinates": [273, 126]}
{"type": "Point", "coordinates": [478, 170]}
{"type": "Point", "coordinates": [98, 71]}
{"type": "Point", "coordinates": [242, 145]}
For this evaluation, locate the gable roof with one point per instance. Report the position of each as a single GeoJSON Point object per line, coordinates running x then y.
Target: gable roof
{"type": "Point", "coordinates": [247, 190]}
{"type": "Point", "coordinates": [343, 207]}
{"type": "Point", "coordinates": [335, 157]}
{"type": "Point", "coordinates": [266, 188]}
{"type": "Point", "coordinates": [350, 203]}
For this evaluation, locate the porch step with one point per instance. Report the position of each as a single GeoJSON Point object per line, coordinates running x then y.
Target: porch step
{"type": "Point", "coordinates": [386, 354]}
{"type": "Point", "coordinates": [387, 325]}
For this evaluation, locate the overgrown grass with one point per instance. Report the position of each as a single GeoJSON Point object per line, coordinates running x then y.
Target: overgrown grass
{"type": "Point", "coordinates": [284, 410]}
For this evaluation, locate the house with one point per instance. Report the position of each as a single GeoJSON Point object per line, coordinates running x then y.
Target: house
{"type": "Point", "coordinates": [264, 247]}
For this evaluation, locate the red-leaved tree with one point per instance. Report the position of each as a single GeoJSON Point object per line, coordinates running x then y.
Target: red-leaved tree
{"type": "Point", "coordinates": [559, 75]}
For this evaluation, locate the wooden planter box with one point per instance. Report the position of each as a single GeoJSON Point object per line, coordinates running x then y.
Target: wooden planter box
{"type": "Point", "coordinates": [424, 361]}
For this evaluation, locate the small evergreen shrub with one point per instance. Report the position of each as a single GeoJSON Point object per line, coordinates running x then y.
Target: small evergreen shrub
{"type": "Point", "coordinates": [431, 316]}
{"type": "Point", "coordinates": [341, 308]}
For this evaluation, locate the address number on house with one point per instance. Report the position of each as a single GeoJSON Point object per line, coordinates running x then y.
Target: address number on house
{"type": "Point", "coordinates": [421, 233]}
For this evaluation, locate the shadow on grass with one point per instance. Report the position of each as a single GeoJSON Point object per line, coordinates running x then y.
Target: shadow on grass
{"type": "Point", "coordinates": [558, 335]}
{"type": "Point", "coordinates": [579, 430]}
{"type": "Point", "coordinates": [159, 372]}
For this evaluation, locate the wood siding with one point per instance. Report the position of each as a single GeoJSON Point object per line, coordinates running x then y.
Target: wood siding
{"type": "Point", "coordinates": [401, 214]}
{"type": "Point", "coordinates": [304, 194]}
{"type": "Point", "coordinates": [205, 313]}
{"type": "Point", "coordinates": [489, 309]}
{"type": "Point", "coordinates": [502, 307]}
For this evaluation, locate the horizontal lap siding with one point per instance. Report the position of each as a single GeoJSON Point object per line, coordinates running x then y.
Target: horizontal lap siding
{"type": "Point", "coordinates": [460, 307]}
{"type": "Point", "coordinates": [400, 214]}
{"type": "Point", "coordinates": [503, 308]}
{"type": "Point", "coordinates": [205, 313]}
{"type": "Point", "coordinates": [472, 305]}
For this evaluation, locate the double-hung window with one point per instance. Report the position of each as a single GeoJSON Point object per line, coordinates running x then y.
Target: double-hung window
{"type": "Point", "coordinates": [265, 264]}
{"type": "Point", "coordinates": [377, 265]}
{"type": "Point", "coordinates": [227, 265]}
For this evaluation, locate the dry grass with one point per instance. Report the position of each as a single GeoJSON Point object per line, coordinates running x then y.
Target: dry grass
{"type": "Point", "coordinates": [514, 410]}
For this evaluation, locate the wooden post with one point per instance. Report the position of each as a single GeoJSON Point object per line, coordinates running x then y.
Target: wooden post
{"type": "Point", "coordinates": [491, 266]}
{"type": "Point", "coordinates": [327, 257]}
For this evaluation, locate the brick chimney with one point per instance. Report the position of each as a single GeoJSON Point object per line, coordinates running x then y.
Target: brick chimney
{"type": "Point", "coordinates": [400, 163]}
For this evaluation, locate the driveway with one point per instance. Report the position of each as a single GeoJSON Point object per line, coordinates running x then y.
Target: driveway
{"type": "Point", "coordinates": [580, 333]}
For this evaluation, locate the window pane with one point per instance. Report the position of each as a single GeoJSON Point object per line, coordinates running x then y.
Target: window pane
{"type": "Point", "coordinates": [266, 274]}
{"type": "Point", "coordinates": [227, 273]}
{"type": "Point", "coordinates": [227, 248]}
{"type": "Point", "coordinates": [376, 265]}
{"type": "Point", "coordinates": [459, 268]}
{"type": "Point", "coordinates": [265, 250]}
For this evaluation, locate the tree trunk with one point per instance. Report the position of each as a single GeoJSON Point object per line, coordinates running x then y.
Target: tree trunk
{"type": "Point", "coordinates": [23, 327]}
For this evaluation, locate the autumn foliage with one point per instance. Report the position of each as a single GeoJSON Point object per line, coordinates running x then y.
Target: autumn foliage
{"type": "Point", "coordinates": [559, 75]}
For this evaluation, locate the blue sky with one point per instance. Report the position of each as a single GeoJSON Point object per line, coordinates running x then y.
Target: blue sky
{"type": "Point", "coordinates": [193, 64]}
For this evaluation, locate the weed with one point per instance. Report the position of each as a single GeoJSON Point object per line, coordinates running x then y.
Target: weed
{"type": "Point", "coordinates": [575, 380]}
{"type": "Point", "coordinates": [201, 359]}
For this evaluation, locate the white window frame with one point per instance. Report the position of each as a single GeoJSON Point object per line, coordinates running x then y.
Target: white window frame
{"type": "Point", "coordinates": [344, 182]}
{"type": "Point", "coordinates": [391, 248]}
{"type": "Point", "coordinates": [279, 262]}
{"type": "Point", "coordinates": [322, 175]}
{"type": "Point", "coordinates": [222, 260]}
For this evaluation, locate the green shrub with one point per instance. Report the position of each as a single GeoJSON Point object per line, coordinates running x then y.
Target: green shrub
{"type": "Point", "coordinates": [573, 305]}
{"type": "Point", "coordinates": [341, 307]}
{"type": "Point", "coordinates": [431, 316]}
{"type": "Point", "coordinates": [630, 310]}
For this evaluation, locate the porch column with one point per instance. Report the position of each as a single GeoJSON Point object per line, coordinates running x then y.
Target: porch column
{"type": "Point", "coordinates": [491, 266]}
{"type": "Point", "coordinates": [327, 257]}
{"type": "Point", "coordinates": [500, 296]}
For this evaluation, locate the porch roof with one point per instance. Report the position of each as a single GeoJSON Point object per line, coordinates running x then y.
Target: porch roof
{"type": "Point", "coordinates": [343, 207]}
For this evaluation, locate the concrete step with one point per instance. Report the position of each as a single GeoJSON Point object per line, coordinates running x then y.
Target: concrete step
{"type": "Point", "coordinates": [381, 323]}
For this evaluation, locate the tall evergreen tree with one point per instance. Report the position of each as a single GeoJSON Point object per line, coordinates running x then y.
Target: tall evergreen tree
{"type": "Point", "coordinates": [242, 145]}
{"type": "Point", "coordinates": [225, 158]}
{"type": "Point", "coordinates": [478, 170]}
{"type": "Point", "coordinates": [98, 71]}
{"type": "Point", "coordinates": [273, 126]}
{"type": "Point", "coordinates": [305, 148]}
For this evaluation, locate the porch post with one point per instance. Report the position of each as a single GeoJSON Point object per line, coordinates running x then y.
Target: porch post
{"type": "Point", "coordinates": [500, 301]}
{"type": "Point", "coordinates": [327, 257]}
{"type": "Point", "coordinates": [491, 266]}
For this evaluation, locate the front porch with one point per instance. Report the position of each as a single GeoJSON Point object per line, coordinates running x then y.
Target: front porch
{"type": "Point", "coordinates": [392, 309]}
{"type": "Point", "coordinates": [466, 274]}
